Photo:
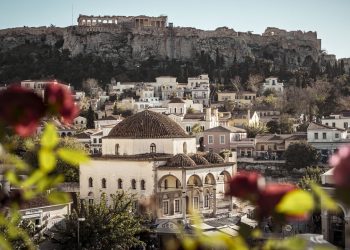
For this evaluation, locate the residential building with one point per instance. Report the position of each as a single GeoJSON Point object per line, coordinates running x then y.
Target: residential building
{"type": "Point", "coordinates": [337, 121]}
{"type": "Point", "coordinates": [326, 139]}
{"type": "Point", "coordinates": [79, 122]}
{"type": "Point", "coordinates": [274, 145]}
{"type": "Point", "coordinates": [273, 84]}
{"type": "Point", "coordinates": [109, 120]}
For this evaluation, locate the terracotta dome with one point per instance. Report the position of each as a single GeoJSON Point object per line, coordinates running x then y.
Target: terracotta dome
{"type": "Point", "coordinates": [199, 159]}
{"type": "Point", "coordinates": [214, 158]}
{"type": "Point", "coordinates": [181, 160]}
{"type": "Point", "coordinates": [147, 124]}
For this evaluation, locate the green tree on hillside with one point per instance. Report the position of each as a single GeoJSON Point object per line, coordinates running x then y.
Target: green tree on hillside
{"type": "Point", "coordinates": [300, 155]}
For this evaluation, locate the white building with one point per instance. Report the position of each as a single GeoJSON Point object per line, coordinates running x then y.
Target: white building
{"type": "Point", "coordinates": [38, 86]}
{"type": "Point", "coordinates": [80, 122]}
{"type": "Point", "coordinates": [199, 89]}
{"type": "Point", "coordinates": [149, 155]}
{"type": "Point", "coordinates": [337, 121]}
{"type": "Point", "coordinates": [273, 84]}
{"type": "Point", "coordinates": [326, 139]}
{"type": "Point", "coordinates": [109, 120]}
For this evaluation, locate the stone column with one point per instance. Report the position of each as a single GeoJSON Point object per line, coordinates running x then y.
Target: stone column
{"type": "Point", "coordinates": [325, 225]}
{"type": "Point", "coordinates": [184, 187]}
{"type": "Point", "coordinates": [214, 201]}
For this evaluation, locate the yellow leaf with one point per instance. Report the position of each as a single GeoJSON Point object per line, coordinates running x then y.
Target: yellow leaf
{"type": "Point", "coordinates": [47, 160]}
{"type": "Point", "coordinates": [58, 197]}
{"type": "Point", "coordinates": [73, 157]}
{"type": "Point", "coordinates": [50, 138]}
{"type": "Point", "coordinates": [296, 202]}
{"type": "Point", "coordinates": [326, 201]}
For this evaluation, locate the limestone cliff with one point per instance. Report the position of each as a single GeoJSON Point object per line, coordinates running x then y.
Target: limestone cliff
{"type": "Point", "coordinates": [132, 46]}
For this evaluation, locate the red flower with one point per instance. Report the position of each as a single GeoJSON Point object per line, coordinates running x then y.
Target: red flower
{"type": "Point", "coordinates": [21, 109]}
{"type": "Point", "coordinates": [245, 185]}
{"type": "Point", "coordinates": [341, 163]}
{"type": "Point", "coordinates": [271, 195]}
{"type": "Point", "coordinates": [60, 101]}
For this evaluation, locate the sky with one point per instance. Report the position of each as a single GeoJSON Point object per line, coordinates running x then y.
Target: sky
{"type": "Point", "coordinates": [329, 18]}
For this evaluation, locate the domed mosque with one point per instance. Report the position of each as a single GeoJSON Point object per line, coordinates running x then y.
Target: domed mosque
{"type": "Point", "coordinates": [150, 155]}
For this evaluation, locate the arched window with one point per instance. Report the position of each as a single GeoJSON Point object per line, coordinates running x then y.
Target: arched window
{"type": "Point", "coordinates": [206, 200]}
{"type": "Point", "coordinates": [133, 184]}
{"type": "Point", "coordinates": [120, 183]}
{"type": "Point", "coordinates": [184, 146]}
{"type": "Point", "coordinates": [143, 185]}
{"type": "Point", "coordinates": [153, 148]}
{"type": "Point", "coordinates": [165, 184]}
{"type": "Point", "coordinates": [90, 183]}
{"type": "Point", "coordinates": [177, 184]}
{"type": "Point", "coordinates": [104, 183]}
{"type": "Point", "coordinates": [117, 149]}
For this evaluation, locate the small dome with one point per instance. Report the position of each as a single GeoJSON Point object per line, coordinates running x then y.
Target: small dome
{"type": "Point", "coordinates": [199, 159]}
{"type": "Point", "coordinates": [214, 158]}
{"type": "Point", "coordinates": [181, 160]}
{"type": "Point", "coordinates": [147, 124]}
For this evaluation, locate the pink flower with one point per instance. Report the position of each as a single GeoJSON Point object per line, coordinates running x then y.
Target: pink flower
{"type": "Point", "coordinates": [59, 100]}
{"type": "Point", "coordinates": [21, 109]}
{"type": "Point", "coordinates": [246, 185]}
{"type": "Point", "coordinates": [341, 163]}
{"type": "Point", "coordinates": [271, 195]}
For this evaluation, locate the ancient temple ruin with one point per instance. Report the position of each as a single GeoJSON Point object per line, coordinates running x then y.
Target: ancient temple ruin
{"type": "Point", "coordinates": [131, 21]}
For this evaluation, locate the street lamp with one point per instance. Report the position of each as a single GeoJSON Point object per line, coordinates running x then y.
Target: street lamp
{"type": "Point", "coordinates": [79, 220]}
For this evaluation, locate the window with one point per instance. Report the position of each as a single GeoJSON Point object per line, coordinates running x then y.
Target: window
{"type": "Point", "coordinates": [326, 123]}
{"type": "Point", "coordinates": [337, 135]}
{"type": "Point", "coordinates": [95, 140]}
{"type": "Point", "coordinates": [333, 124]}
{"type": "Point", "coordinates": [104, 183]}
{"type": "Point", "coordinates": [165, 207]}
{"type": "Point", "coordinates": [188, 129]}
{"type": "Point", "coordinates": [120, 183]}
{"type": "Point", "coordinates": [324, 135]}
{"type": "Point", "coordinates": [206, 201]}
{"type": "Point", "coordinates": [165, 184]}
{"type": "Point", "coordinates": [153, 148]}
{"type": "Point", "coordinates": [316, 136]}
{"type": "Point", "coordinates": [90, 182]}
{"type": "Point", "coordinates": [100, 140]}
{"type": "Point", "coordinates": [346, 125]}
{"type": "Point", "coordinates": [143, 185]}
{"type": "Point", "coordinates": [177, 184]}
{"type": "Point", "coordinates": [222, 139]}
{"type": "Point", "coordinates": [116, 149]}
{"type": "Point", "coordinates": [262, 147]}
{"type": "Point", "coordinates": [195, 202]}
{"type": "Point", "coordinates": [91, 201]}
{"type": "Point", "coordinates": [210, 139]}
{"type": "Point", "coordinates": [177, 206]}
{"type": "Point", "coordinates": [184, 147]}
{"type": "Point", "coordinates": [133, 184]}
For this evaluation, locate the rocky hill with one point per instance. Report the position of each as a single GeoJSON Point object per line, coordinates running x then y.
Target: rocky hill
{"type": "Point", "coordinates": [127, 49]}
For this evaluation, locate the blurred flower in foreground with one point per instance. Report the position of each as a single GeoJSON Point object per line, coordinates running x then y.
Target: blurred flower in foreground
{"type": "Point", "coordinates": [246, 185]}
{"type": "Point", "coordinates": [21, 109]}
{"type": "Point", "coordinates": [251, 186]}
{"type": "Point", "coordinates": [341, 163]}
{"type": "Point", "coordinates": [59, 101]}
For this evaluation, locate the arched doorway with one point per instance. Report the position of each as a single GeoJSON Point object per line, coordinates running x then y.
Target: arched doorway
{"type": "Point", "coordinates": [337, 228]}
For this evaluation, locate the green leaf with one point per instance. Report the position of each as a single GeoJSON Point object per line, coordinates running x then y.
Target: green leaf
{"type": "Point", "coordinates": [50, 138]}
{"type": "Point", "coordinates": [33, 178]}
{"type": "Point", "coordinates": [296, 202]}
{"type": "Point", "coordinates": [326, 201]}
{"type": "Point", "coordinates": [72, 156]}
{"type": "Point", "coordinates": [15, 161]}
{"type": "Point", "coordinates": [47, 160]}
{"type": "Point", "coordinates": [4, 244]}
{"type": "Point", "coordinates": [12, 178]}
{"type": "Point", "coordinates": [293, 243]}
{"type": "Point", "coordinates": [58, 197]}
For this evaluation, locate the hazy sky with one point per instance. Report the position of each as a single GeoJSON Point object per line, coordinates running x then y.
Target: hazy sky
{"type": "Point", "coordinates": [330, 18]}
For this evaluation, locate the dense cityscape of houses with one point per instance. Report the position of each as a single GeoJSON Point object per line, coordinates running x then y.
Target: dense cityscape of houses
{"type": "Point", "coordinates": [180, 146]}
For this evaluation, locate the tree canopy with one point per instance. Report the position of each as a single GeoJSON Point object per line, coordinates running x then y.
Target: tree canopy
{"type": "Point", "coordinates": [300, 155]}
{"type": "Point", "coordinates": [110, 224]}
